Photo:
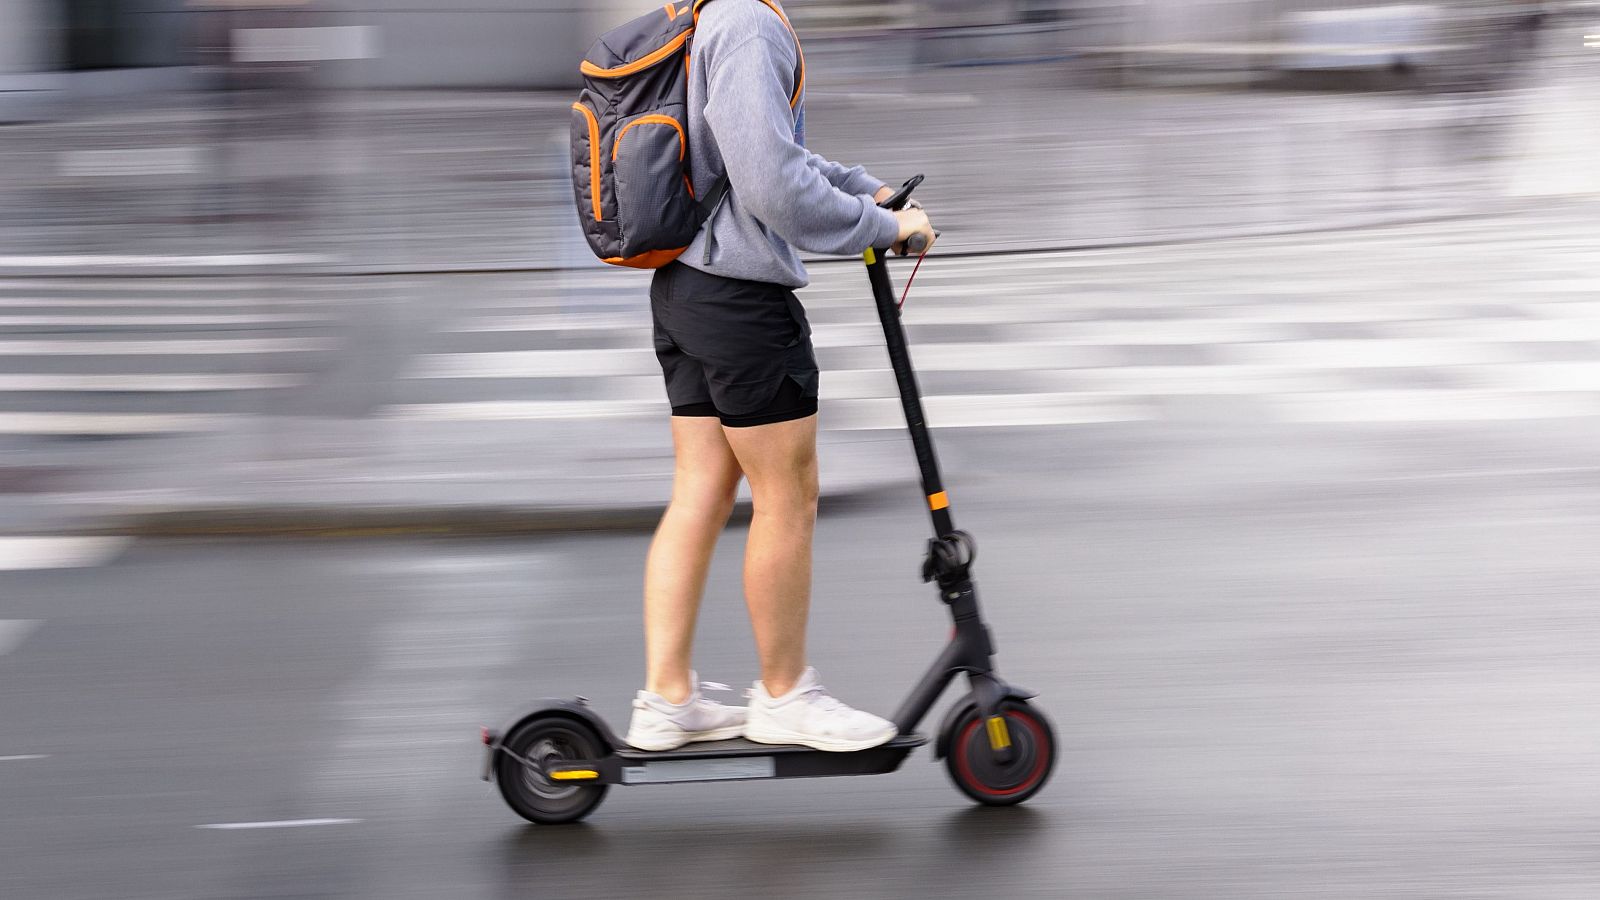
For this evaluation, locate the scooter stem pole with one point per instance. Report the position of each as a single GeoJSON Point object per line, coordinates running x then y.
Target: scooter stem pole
{"type": "Point", "coordinates": [894, 336]}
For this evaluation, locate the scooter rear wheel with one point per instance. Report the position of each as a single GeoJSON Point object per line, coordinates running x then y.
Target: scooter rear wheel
{"type": "Point", "coordinates": [525, 787]}
{"type": "Point", "coordinates": [972, 763]}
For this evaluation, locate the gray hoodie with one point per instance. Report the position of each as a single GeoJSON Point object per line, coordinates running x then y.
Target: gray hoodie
{"type": "Point", "coordinates": [782, 198]}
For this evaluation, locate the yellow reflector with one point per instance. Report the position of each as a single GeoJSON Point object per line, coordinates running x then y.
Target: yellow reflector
{"type": "Point", "coordinates": [575, 775]}
{"type": "Point", "coordinates": [940, 500]}
{"type": "Point", "coordinates": [871, 256]}
{"type": "Point", "coordinates": [999, 735]}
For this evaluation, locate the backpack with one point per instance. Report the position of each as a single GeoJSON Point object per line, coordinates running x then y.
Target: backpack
{"type": "Point", "coordinates": [630, 145]}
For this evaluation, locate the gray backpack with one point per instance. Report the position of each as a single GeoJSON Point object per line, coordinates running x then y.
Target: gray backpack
{"type": "Point", "coordinates": [630, 144]}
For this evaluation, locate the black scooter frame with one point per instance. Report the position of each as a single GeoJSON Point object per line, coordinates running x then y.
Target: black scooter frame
{"type": "Point", "coordinates": [949, 561]}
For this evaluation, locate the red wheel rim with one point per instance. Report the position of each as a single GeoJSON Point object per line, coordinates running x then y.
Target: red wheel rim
{"type": "Point", "coordinates": [1041, 742]}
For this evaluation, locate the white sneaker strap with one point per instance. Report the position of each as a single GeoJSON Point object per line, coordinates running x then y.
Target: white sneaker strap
{"type": "Point", "coordinates": [714, 686]}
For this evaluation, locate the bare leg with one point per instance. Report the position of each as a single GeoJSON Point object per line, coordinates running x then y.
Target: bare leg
{"type": "Point", "coordinates": [780, 460]}
{"type": "Point", "coordinates": [704, 482]}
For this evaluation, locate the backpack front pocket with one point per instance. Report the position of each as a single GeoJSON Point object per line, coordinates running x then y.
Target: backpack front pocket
{"type": "Point", "coordinates": [655, 208]}
{"type": "Point", "coordinates": [586, 160]}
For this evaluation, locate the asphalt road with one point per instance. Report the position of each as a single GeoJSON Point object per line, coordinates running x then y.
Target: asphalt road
{"type": "Point", "coordinates": [1309, 661]}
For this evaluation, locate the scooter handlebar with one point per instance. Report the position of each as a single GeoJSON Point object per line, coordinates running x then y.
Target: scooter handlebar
{"type": "Point", "coordinates": [917, 244]}
{"type": "Point", "coordinates": [898, 201]}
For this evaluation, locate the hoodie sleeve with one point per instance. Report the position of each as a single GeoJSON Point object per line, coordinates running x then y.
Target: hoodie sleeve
{"type": "Point", "coordinates": [747, 108]}
{"type": "Point", "coordinates": [850, 179]}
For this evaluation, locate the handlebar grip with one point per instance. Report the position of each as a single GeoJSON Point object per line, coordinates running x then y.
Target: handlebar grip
{"type": "Point", "coordinates": [917, 244]}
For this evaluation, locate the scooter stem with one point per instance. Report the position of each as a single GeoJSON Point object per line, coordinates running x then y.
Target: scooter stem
{"type": "Point", "coordinates": [905, 377]}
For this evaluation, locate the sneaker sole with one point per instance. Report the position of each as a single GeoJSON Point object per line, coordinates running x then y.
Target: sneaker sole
{"type": "Point", "coordinates": [827, 745]}
{"type": "Point", "coordinates": [687, 737]}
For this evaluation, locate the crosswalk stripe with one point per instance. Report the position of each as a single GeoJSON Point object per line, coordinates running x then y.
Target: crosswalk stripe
{"type": "Point", "coordinates": [1158, 381]}
{"type": "Point", "coordinates": [1157, 332]}
{"type": "Point", "coordinates": [853, 414]}
{"type": "Point", "coordinates": [158, 320]}
{"type": "Point", "coordinates": [153, 302]}
{"type": "Point", "coordinates": [536, 364]}
{"type": "Point", "coordinates": [146, 383]}
{"type": "Point", "coordinates": [1429, 406]}
{"type": "Point", "coordinates": [1535, 377]}
{"type": "Point", "coordinates": [514, 410]}
{"type": "Point", "coordinates": [1397, 353]}
{"type": "Point", "coordinates": [575, 323]}
{"type": "Point", "coordinates": [49, 552]}
{"type": "Point", "coordinates": [14, 631]}
{"type": "Point", "coordinates": [64, 424]}
{"type": "Point", "coordinates": [988, 411]}
{"type": "Point", "coordinates": [174, 347]}
{"type": "Point", "coordinates": [157, 285]}
{"type": "Point", "coordinates": [930, 357]}
{"type": "Point", "coordinates": [212, 261]}
{"type": "Point", "coordinates": [1504, 330]}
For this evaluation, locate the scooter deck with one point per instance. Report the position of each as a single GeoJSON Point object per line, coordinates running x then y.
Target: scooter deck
{"type": "Point", "coordinates": [741, 760]}
{"type": "Point", "coordinates": [741, 747]}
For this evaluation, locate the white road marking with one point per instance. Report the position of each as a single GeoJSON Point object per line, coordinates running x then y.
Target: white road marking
{"type": "Point", "coordinates": [1148, 381]}
{"type": "Point", "coordinates": [1586, 285]}
{"type": "Point", "coordinates": [160, 285]}
{"type": "Point", "coordinates": [153, 302]}
{"type": "Point", "coordinates": [63, 423]}
{"type": "Point", "coordinates": [536, 364]}
{"type": "Point", "coordinates": [175, 347]}
{"type": "Point", "coordinates": [225, 319]}
{"type": "Point", "coordinates": [285, 823]}
{"type": "Point", "coordinates": [1486, 473]}
{"type": "Point", "coordinates": [215, 261]}
{"type": "Point", "coordinates": [988, 411]}
{"type": "Point", "coordinates": [1148, 332]}
{"type": "Point", "coordinates": [1429, 406]}
{"type": "Point", "coordinates": [131, 161]}
{"type": "Point", "coordinates": [1505, 330]}
{"type": "Point", "coordinates": [490, 411]}
{"type": "Point", "coordinates": [14, 631]}
{"type": "Point", "coordinates": [1537, 377]}
{"type": "Point", "coordinates": [18, 553]}
{"type": "Point", "coordinates": [146, 383]}
{"type": "Point", "coordinates": [24, 757]}
{"type": "Point", "coordinates": [1354, 354]}
{"type": "Point", "coordinates": [946, 357]}
{"type": "Point", "coordinates": [1008, 356]}
{"type": "Point", "coordinates": [562, 322]}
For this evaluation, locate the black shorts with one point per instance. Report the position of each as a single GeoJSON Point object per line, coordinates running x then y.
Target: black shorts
{"type": "Point", "coordinates": [738, 350]}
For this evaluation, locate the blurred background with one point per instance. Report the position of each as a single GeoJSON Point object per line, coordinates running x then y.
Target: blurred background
{"type": "Point", "coordinates": [1262, 347]}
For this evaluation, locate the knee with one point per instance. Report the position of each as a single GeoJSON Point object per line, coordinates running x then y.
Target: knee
{"type": "Point", "coordinates": [708, 503]}
{"type": "Point", "coordinates": [796, 493]}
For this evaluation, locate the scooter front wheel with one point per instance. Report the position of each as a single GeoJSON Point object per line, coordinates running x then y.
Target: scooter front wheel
{"type": "Point", "coordinates": [521, 765]}
{"type": "Point", "coordinates": [977, 768]}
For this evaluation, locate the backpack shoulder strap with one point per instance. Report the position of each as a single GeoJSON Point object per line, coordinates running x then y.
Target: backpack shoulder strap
{"type": "Point", "coordinates": [800, 71]}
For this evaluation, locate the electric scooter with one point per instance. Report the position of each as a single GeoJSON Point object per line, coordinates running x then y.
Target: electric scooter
{"type": "Point", "coordinates": [555, 763]}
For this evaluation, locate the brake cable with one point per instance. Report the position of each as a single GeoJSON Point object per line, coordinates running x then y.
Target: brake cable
{"type": "Point", "coordinates": [907, 292]}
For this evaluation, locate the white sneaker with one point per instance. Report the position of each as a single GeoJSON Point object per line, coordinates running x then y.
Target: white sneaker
{"type": "Point", "coordinates": [659, 725]}
{"type": "Point", "coordinates": [811, 717]}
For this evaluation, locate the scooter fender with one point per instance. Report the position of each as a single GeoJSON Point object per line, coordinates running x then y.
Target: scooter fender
{"type": "Point", "coordinates": [941, 741]}
{"type": "Point", "coordinates": [569, 709]}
